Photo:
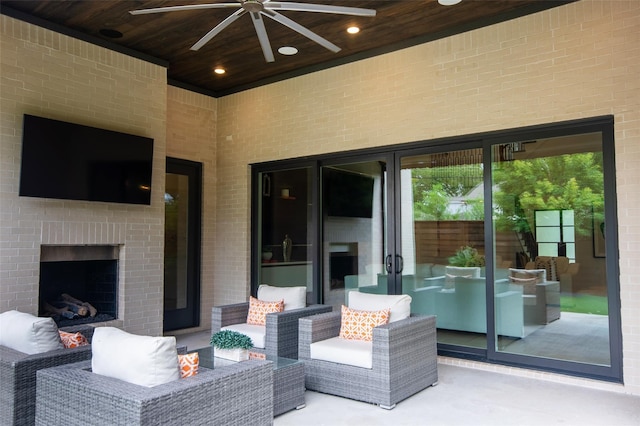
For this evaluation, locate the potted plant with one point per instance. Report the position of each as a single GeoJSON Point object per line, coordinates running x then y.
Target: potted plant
{"type": "Point", "coordinates": [467, 256]}
{"type": "Point", "coordinates": [231, 345]}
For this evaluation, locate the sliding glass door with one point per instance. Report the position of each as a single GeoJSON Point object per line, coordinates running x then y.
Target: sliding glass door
{"type": "Point", "coordinates": [354, 229]}
{"type": "Point", "coordinates": [442, 242]}
{"type": "Point", "coordinates": [501, 236]}
{"type": "Point", "coordinates": [285, 229]}
{"type": "Point", "coordinates": [549, 243]}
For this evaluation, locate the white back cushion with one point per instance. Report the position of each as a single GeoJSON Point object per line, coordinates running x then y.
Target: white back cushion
{"type": "Point", "coordinates": [400, 304]}
{"type": "Point", "coordinates": [141, 360]}
{"type": "Point", "coordinates": [294, 297]}
{"type": "Point", "coordinates": [464, 271]}
{"type": "Point", "coordinates": [28, 334]}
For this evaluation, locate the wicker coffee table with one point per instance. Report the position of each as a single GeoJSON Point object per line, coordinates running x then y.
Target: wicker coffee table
{"type": "Point", "coordinates": [288, 379]}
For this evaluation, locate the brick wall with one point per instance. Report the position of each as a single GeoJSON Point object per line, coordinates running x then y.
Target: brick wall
{"type": "Point", "coordinates": [47, 74]}
{"type": "Point", "coordinates": [575, 61]}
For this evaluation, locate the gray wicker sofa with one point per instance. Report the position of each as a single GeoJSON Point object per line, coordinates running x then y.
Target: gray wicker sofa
{"type": "Point", "coordinates": [404, 360]}
{"type": "Point", "coordinates": [18, 376]}
{"type": "Point", "coordinates": [239, 394]}
{"type": "Point", "coordinates": [281, 328]}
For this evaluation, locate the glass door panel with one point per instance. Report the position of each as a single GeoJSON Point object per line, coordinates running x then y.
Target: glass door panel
{"type": "Point", "coordinates": [182, 208]}
{"type": "Point", "coordinates": [285, 231]}
{"type": "Point", "coordinates": [442, 242]}
{"type": "Point", "coordinates": [548, 227]}
{"type": "Point", "coordinates": [353, 230]}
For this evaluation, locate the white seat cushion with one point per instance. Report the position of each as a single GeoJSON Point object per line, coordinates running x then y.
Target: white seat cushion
{"type": "Point", "coordinates": [28, 334]}
{"type": "Point", "coordinates": [255, 332]}
{"type": "Point", "coordinates": [141, 360]}
{"type": "Point", "coordinates": [358, 353]}
{"type": "Point", "coordinates": [400, 304]}
{"type": "Point", "coordinates": [294, 297]}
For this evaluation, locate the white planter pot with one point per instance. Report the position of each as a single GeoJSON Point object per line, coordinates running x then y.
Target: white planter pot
{"type": "Point", "coordinates": [231, 354]}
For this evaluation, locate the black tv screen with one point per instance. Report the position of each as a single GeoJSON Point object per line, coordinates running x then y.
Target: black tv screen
{"type": "Point", "coordinates": [75, 162]}
{"type": "Point", "coordinates": [347, 194]}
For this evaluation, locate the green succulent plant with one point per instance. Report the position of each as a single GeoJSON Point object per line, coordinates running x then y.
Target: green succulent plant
{"type": "Point", "coordinates": [467, 256]}
{"type": "Point", "coordinates": [227, 339]}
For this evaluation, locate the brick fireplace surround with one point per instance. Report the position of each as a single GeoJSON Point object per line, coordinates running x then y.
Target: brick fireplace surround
{"type": "Point", "coordinates": [108, 90]}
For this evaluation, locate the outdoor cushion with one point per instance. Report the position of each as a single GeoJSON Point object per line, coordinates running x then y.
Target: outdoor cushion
{"type": "Point", "coordinates": [358, 325]}
{"type": "Point", "coordinates": [72, 340]}
{"type": "Point", "coordinates": [358, 353]}
{"type": "Point", "coordinates": [257, 333]}
{"type": "Point", "coordinates": [189, 364]}
{"type": "Point", "coordinates": [400, 305]}
{"type": "Point", "coordinates": [142, 360]}
{"type": "Point", "coordinates": [259, 309]}
{"type": "Point", "coordinates": [28, 334]}
{"type": "Point", "coordinates": [451, 272]}
{"type": "Point", "coordinates": [294, 297]}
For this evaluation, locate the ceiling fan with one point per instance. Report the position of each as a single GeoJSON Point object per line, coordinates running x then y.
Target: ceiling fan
{"type": "Point", "coordinates": [259, 8]}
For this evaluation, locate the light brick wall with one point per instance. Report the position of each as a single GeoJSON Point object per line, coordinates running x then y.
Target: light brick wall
{"type": "Point", "coordinates": [191, 128]}
{"type": "Point", "coordinates": [48, 74]}
{"type": "Point", "coordinates": [574, 61]}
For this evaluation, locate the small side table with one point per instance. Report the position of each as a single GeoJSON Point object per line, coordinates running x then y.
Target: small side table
{"type": "Point", "coordinates": [288, 379]}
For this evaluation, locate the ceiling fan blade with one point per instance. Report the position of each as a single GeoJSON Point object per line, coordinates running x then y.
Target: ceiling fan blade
{"type": "Point", "coordinates": [258, 23]}
{"type": "Point", "coordinates": [186, 7]}
{"type": "Point", "coordinates": [218, 28]}
{"type": "Point", "coordinates": [322, 8]}
{"type": "Point", "coordinates": [301, 30]}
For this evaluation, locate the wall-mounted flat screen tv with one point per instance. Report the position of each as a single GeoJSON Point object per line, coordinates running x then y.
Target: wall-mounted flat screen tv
{"type": "Point", "coordinates": [347, 194]}
{"type": "Point", "coordinates": [75, 162]}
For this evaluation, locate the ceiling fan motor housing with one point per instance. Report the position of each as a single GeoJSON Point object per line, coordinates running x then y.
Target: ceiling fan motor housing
{"type": "Point", "coordinates": [252, 6]}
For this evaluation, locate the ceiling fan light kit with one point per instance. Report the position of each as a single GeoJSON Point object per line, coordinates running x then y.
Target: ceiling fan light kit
{"type": "Point", "coordinates": [259, 8]}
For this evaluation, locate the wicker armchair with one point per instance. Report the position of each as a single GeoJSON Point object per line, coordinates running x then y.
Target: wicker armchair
{"type": "Point", "coordinates": [239, 394]}
{"type": "Point", "coordinates": [18, 376]}
{"type": "Point", "coordinates": [404, 360]}
{"type": "Point", "coordinates": [281, 337]}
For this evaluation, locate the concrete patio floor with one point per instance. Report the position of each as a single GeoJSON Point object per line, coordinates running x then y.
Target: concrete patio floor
{"type": "Point", "coordinates": [467, 396]}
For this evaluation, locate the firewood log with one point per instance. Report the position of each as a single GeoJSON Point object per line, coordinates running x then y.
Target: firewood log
{"type": "Point", "coordinates": [92, 311]}
{"type": "Point", "coordinates": [63, 312]}
{"type": "Point", "coordinates": [76, 309]}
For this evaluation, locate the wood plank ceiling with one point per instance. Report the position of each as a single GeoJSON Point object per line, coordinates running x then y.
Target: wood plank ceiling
{"type": "Point", "coordinates": [167, 37]}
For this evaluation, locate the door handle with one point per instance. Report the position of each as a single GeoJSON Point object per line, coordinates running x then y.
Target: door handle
{"type": "Point", "coordinates": [388, 264]}
{"type": "Point", "coordinates": [399, 264]}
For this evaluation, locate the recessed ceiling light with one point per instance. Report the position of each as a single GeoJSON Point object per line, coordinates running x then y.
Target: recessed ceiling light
{"type": "Point", "coordinates": [353, 30]}
{"type": "Point", "coordinates": [449, 2]}
{"type": "Point", "coordinates": [287, 50]}
{"type": "Point", "coordinates": [219, 71]}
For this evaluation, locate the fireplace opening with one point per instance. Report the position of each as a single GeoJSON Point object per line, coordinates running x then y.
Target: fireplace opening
{"type": "Point", "coordinates": [343, 261]}
{"type": "Point", "coordinates": [78, 284]}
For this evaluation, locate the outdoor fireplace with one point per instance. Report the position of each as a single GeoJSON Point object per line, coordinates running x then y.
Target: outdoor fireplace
{"type": "Point", "coordinates": [343, 260]}
{"type": "Point", "coordinates": [78, 284]}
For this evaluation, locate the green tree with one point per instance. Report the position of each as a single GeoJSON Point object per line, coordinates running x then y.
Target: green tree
{"type": "Point", "coordinates": [565, 182]}
{"type": "Point", "coordinates": [432, 205]}
{"type": "Point", "coordinates": [433, 188]}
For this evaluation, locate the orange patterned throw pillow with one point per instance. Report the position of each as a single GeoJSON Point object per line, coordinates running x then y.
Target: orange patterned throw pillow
{"type": "Point", "coordinates": [358, 325]}
{"type": "Point", "coordinates": [72, 340]}
{"type": "Point", "coordinates": [189, 364]}
{"type": "Point", "coordinates": [258, 310]}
